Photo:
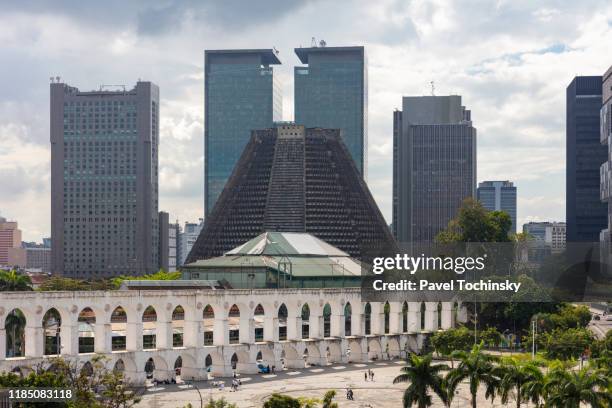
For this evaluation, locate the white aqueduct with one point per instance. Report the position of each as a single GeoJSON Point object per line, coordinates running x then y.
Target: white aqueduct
{"type": "Point", "coordinates": [211, 331]}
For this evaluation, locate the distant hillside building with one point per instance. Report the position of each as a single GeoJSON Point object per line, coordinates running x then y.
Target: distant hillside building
{"type": "Point", "coordinates": [550, 234]}
{"type": "Point", "coordinates": [293, 179]}
{"type": "Point", "coordinates": [499, 196]}
{"type": "Point", "coordinates": [279, 260]}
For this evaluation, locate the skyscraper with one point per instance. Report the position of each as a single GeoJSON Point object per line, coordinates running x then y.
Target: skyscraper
{"type": "Point", "coordinates": [187, 238]}
{"type": "Point", "coordinates": [292, 179]}
{"type": "Point", "coordinates": [605, 137]}
{"type": "Point", "coordinates": [104, 193]}
{"type": "Point", "coordinates": [434, 165]}
{"type": "Point", "coordinates": [499, 196]}
{"type": "Point", "coordinates": [241, 93]}
{"type": "Point", "coordinates": [332, 92]}
{"type": "Point", "coordinates": [11, 252]}
{"type": "Point", "coordinates": [586, 214]}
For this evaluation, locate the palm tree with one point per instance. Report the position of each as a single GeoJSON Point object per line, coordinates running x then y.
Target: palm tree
{"type": "Point", "coordinates": [422, 376]}
{"type": "Point", "coordinates": [475, 366]}
{"type": "Point", "coordinates": [565, 388]}
{"type": "Point", "coordinates": [524, 377]}
{"type": "Point", "coordinates": [13, 281]}
{"type": "Point", "coordinates": [328, 400]}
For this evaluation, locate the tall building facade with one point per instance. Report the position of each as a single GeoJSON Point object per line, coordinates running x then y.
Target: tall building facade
{"type": "Point", "coordinates": [548, 233]}
{"type": "Point", "coordinates": [293, 179]}
{"type": "Point", "coordinates": [499, 196]}
{"type": "Point", "coordinates": [241, 93]}
{"type": "Point", "coordinates": [11, 252]}
{"type": "Point", "coordinates": [331, 91]}
{"type": "Point", "coordinates": [605, 135]}
{"type": "Point", "coordinates": [188, 237]}
{"type": "Point", "coordinates": [104, 189]}
{"type": "Point", "coordinates": [586, 214]}
{"type": "Point", "coordinates": [434, 165]}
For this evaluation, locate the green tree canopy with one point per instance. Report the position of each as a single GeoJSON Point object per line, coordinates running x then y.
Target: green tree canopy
{"type": "Point", "coordinates": [14, 281]}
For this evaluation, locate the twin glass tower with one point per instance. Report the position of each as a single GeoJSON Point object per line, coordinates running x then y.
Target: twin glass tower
{"type": "Point", "coordinates": [242, 94]}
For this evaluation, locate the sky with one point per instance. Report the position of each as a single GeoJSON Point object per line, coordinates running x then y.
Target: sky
{"type": "Point", "coordinates": [510, 60]}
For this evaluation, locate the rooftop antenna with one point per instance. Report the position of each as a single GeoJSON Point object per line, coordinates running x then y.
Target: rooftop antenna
{"type": "Point", "coordinates": [313, 42]}
{"type": "Point", "coordinates": [433, 88]}
{"type": "Point", "coordinates": [322, 43]}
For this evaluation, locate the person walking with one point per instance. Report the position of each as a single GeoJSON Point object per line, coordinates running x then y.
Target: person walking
{"type": "Point", "coordinates": [365, 374]}
{"type": "Point", "coordinates": [372, 375]}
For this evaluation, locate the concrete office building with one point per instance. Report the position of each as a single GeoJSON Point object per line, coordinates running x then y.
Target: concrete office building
{"type": "Point", "coordinates": [293, 179]}
{"type": "Point", "coordinates": [104, 172]}
{"type": "Point", "coordinates": [499, 196]}
{"type": "Point", "coordinates": [241, 93]}
{"type": "Point", "coordinates": [550, 234]}
{"type": "Point", "coordinates": [38, 258]}
{"type": "Point", "coordinates": [434, 165]}
{"type": "Point", "coordinates": [332, 92]}
{"type": "Point", "coordinates": [187, 238]}
{"type": "Point", "coordinates": [11, 252]}
{"type": "Point", "coordinates": [167, 243]}
{"type": "Point", "coordinates": [586, 214]}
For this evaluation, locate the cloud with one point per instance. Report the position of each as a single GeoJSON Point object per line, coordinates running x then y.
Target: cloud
{"type": "Point", "coordinates": [511, 62]}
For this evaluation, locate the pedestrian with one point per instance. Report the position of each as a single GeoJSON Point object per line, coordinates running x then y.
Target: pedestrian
{"type": "Point", "coordinates": [350, 394]}
{"type": "Point", "coordinates": [273, 369]}
{"type": "Point", "coordinates": [365, 375]}
{"type": "Point", "coordinates": [372, 375]}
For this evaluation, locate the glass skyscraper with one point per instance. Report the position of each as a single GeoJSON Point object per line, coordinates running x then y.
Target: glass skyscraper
{"type": "Point", "coordinates": [331, 92]}
{"type": "Point", "coordinates": [241, 94]}
{"type": "Point", "coordinates": [586, 214]}
{"type": "Point", "coordinates": [499, 196]}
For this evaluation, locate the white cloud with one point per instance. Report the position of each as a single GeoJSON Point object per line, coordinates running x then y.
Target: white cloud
{"type": "Point", "coordinates": [511, 62]}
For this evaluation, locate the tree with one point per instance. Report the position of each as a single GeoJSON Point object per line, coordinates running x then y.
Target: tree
{"type": "Point", "coordinates": [14, 281]}
{"type": "Point", "coordinates": [515, 375]}
{"type": "Point", "coordinates": [490, 336]}
{"type": "Point", "coordinates": [60, 283]}
{"type": "Point", "coordinates": [565, 344]}
{"type": "Point", "coordinates": [281, 401]}
{"type": "Point", "coordinates": [327, 400]}
{"type": "Point", "coordinates": [567, 388]}
{"type": "Point", "coordinates": [423, 377]}
{"type": "Point", "coordinates": [447, 341]}
{"type": "Point", "coordinates": [474, 223]}
{"type": "Point", "coordinates": [477, 368]}
{"type": "Point", "coordinates": [220, 403]}
{"type": "Point", "coordinates": [159, 275]}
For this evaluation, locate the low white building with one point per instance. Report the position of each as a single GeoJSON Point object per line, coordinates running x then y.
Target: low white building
{"type": "Point", "coordinates": [216, 332]}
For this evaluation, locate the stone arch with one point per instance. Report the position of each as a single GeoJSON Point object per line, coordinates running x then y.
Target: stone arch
{"type": "Point", "coordinates": [118, 320]}
{"type": "Point", "coordinates": [282, 315]}
{"type": "Point", "coordinates": [333, 353]}
{"type": "Point", "coordinates": [404, 317]}
{"type": "Point", "coordinates": [178, 326]}
{"type": "Point", "coordinates": [374, 349]}
{"type": "Point", "coordinates": [233, 324]}
{"type": "Point", "coordinates": [149, 328]}
{"type": "Point", "coordinates": [305, 314]}
{"type": "Point", "coordinates": [258, 322]}
{"type": "Point", "coordinates": [51, 324]}
{"type": "Point", "coordinates": [348, 316]}
{"type": "Point", "coordinates": [393, 347]}
{"type": "Point", "coordinates": [208, 317]}
{"type": "Point", "coordinates": [387, 315]}
{"type": "Point", "coordinates": [354, 351]}
{"type": "Point", "coordinates": [367, 317]}
{"type": "Point", "coordinates": [87, 335]}
{"type": "Point", "coordinates": [87, 369]}
{"type": "Point", "coordinates": [266, 356]}
{"type": "Point", "coordinates": [14, 325]}
{"type": "Point", "coordinates": [119, 365]}
{"type": "Point", "coordinates": [158, 368]}
{"type": "Point", "coordinates": [422, 315]}
{"type": "Point", "coordinates": [292, 358]}
{"type": "Point", "coordinates": [214, 364]}
{"type": "Point", "coordinates": [327, 312]}
{"type": "Point", "coordinates": [189, 367]}
{"type": "Point", "coordinates": [312, 355]}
